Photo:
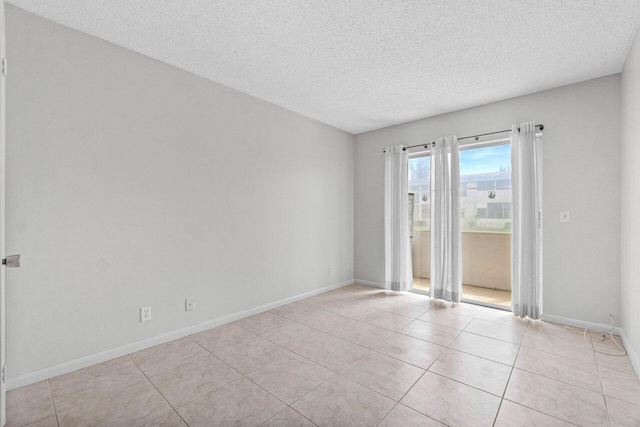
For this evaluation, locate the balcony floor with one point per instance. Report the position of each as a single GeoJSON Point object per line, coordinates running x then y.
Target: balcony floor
{"type": "Point", "coordinates": [475, 293]}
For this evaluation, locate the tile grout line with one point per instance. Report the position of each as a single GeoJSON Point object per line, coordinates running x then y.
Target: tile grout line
{"type": "Point", "coordinates": [428, 369]}
{"type": "Point", "coordinates": [561, 380]}
{"type": "Point", "coordinates": [297, 323]}
{"type": "Point", "coordinates": [294, 351]}
{"type": "Point", "coordinates": [399, 400]}
{"type": "Point", "coordinates": [375, 309]}
{"type": "Point", "coordinates": [365, 386]}
{"type": "Point", "coordinates": [376, 391]}
{"type": "Point", "coordinates": [540, 412]}
{"type": "Point", "coordinates": [151, 382]}
{"type": "Point", "coordinates": [409, 363]}
{"type": "Point", "coordinates": [354, 296]}
{"type": "Point", "coordinates": [53, 402]}
{"type": "Point", "coordinates": [606, 405]}
{"type": "Point", "coordinates": [558, 355]}
{"type": "Point", "coordinates": [502, 398]}
{"type": "Point", "coordinates": [412, 386]}
{"type": "Point", "coordinates": [506, 386]}
{"type": "Point", "coordinates": [337, 373]}
{"type": "Point", "coordinates": [300, 355]}
{"type": "Point", "coordinates": [288, 407]}
{"type": "Point", "coordinates": [443, 376]}
{"type": "Point", "coordinates": [390, 410]}
{"type": "Point", "coordinates": [546, 336]}
{"type": "Point", "coordinates": [537, 410]}
{"type": "Point", "coordinates": [495, 420]}
{"type": "Point", "coordinates": [357, 360]}
{"type": "Point", "coordinates": [119, 388]}
{"type": "Point", "coordinates": [258, 385]}
{"type": "Point", "coordinates": [460, 331]}
{"type": "Point", "coordinates": [245, 376]}
{"type": "Point", "coordinates": [242, 374]}
{"type": "Point", "coordinates": [373, 349]}
{"type": "Point", "coordinates": [298, 399]}
{"type": "Point", "coordinates": [465, 330]}
{"type": "Point", "coordinates": [414, 318]}
{"type": "Point", "coordinates": [525, 406]}
{"type": "Point", "coordinates": [159, 392]}
{"type": "Point", "coordinates": [448, 347]}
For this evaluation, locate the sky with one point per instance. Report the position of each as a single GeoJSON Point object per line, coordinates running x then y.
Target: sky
{"type": "Point", "coordinates": [478, 160]}
{"type": "Point", "coordinates": [489, 159]}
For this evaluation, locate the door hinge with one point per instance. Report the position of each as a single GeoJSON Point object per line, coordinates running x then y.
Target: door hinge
{"type": "Point", "coordinates": [12, 261]}
{"type": "Point", "coordinates": [4, 374]}
{"type": "Point", "coordinates": [4, 67]}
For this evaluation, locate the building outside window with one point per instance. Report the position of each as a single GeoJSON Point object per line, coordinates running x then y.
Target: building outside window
{"type": "Point", "coordinates": [485, 190]}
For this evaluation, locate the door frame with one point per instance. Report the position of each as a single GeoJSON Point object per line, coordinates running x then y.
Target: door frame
{"type": "Point", "coordinates": [3, 127]}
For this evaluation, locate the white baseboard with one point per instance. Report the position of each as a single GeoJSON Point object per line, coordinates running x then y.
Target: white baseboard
{"type": "Point", "coordinates": [103, 356]}
{"type": "Point", "coordinates": [573, 322]}
{"type": "Point", "coordinates": [633, 356]}
{"type": "Point", "coordinates": [372, 284]}
{"type": "Point", "coordinates": [246, 313]}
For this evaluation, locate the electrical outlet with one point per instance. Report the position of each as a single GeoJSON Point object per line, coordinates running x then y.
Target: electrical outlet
{"type": "Point", "coordinates": [330, 271]}
{"type": "Point", "coordinates": [189, 304]}
{"type": "Point", "coordinates": [145, 313]}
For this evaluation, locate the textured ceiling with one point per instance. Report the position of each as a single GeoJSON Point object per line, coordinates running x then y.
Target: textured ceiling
{"type": "Point", "coordinates": [360, 65]}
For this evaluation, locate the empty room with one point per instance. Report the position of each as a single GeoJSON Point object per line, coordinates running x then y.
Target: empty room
{"type": "Point", "coordinates": [319, 213]}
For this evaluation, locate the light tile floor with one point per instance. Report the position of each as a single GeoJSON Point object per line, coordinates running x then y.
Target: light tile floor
{"type": "Point", "coordinates": [471, 292]}
{"type": "Point", "coordinates": [353, 356]}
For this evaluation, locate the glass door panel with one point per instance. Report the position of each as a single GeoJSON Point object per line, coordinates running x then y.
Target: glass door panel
{"type": "Point", "coordinates": [420, 186]}
{"type": "Point", "coordinates": [485, 220]}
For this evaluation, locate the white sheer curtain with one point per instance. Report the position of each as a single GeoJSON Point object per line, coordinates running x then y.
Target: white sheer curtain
{"type": "Point", "coordinates": [397, 245]}
{"type": "Point", "coordinates": [446, 258]}
{"type": "Point", "coordinates": [526, 234]}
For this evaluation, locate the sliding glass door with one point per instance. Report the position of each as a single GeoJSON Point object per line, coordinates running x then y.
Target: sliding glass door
{"type": "Point", "coordinates": [420, 187]}
{"type": "Point", "coordinates": [485, 220]}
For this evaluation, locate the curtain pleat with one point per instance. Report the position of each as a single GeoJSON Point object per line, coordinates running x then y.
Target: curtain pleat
{"type": "Point", "coordinates": [446, 258]}
{"type": "Point", "coordinates": [526, 234]}
{"type": "Point", "coordinates": [397, 259]}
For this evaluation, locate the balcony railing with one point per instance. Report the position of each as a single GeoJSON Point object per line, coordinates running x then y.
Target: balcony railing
{"type": "Point", "coordinates": [486, 258]}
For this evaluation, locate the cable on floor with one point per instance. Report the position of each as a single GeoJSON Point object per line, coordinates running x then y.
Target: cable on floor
{"type": "Point", "coordinates": [609, 331]}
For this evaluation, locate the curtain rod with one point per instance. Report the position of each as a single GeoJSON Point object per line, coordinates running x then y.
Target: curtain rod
{"type": "Point", "coordinates": [540, 126]}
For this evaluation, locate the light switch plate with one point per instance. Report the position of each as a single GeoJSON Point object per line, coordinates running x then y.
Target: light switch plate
{"type": "Point", "coordinates": [565, 216]}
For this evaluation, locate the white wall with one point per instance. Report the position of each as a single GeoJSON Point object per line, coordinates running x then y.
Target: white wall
{"type": "Point", "coordinates": [581, 174]}
{"type": "Point", "coordinates": [133, 183]}
{"type": "Point", "coordinates": [630, 223]}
